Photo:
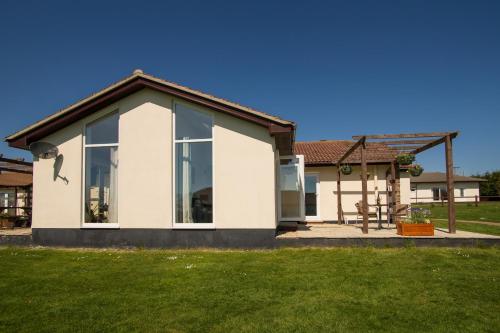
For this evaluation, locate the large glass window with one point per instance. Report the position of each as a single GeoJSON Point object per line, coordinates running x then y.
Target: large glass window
{"type": "Point", "coordinates": [193, 166]}
{"type": "Point", "coordinates": [290, 188]}
{"type": "Point", "coordinates": [101, 170]}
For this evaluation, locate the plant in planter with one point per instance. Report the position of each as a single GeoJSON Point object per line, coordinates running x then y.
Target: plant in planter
{"type": "Point", "coordinates": [416, 170]}
{"type": "Point", "coordinates": [346, 169]}
{"type": "Point", "coordinates": [418, 224]}
{"type": "Point", "coordinates": [405, 159]}
{"type": "Point", "coordinates": [6, 221]}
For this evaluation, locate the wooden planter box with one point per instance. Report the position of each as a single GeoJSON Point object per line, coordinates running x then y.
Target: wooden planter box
{"type": "Point", "coordinates": [415, 229]}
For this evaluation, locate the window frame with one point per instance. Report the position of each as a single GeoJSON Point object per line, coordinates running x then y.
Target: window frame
{"type": "Point", "coordinates": [83, 224]}
{"type": "Point", "coordinates": [175, 224]}
{"type": "Point", "coordinates": [316, 217]}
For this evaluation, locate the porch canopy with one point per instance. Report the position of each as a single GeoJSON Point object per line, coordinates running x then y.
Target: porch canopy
{"type": "Point", "coordinates": [414, 143]}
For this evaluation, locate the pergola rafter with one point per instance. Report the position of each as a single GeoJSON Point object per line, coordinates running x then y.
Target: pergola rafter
{"type": "Point", "coordinates": [412, 143]}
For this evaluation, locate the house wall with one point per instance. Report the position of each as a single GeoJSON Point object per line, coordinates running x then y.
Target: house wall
{"type": "Point", "coordinates": [352, 190]}
{"type": "Point", "coordinates": [243, 166]}
{"type": "Point", "coordinates": [423, 191]}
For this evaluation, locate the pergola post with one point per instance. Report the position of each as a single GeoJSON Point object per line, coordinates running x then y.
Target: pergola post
{"type": "Point", "coordinates": [393, 192]}
{"type": "Point", "coordinates": [360, 142]}
{"type": "Point", "coordinates": [364, 188]}
{"type": "Point", "coordinates": [339, 198]}
{"type": "Point", "coordinates": [450, 186]}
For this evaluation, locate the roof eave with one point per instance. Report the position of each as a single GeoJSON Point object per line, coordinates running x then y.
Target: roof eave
{"type": "Point", "coordinates": [134, 83]}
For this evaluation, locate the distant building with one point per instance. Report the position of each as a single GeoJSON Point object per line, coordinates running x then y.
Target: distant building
{"type": "Point", "coordinates": [431, 187]}
{"type": "Point", "coordinates": [16, 181]}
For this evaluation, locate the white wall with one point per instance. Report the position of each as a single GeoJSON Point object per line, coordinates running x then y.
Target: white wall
{"type": "Point", "coordinates": [423, 191]}
{"type": "Point", "coordinates": [244, 170]}
{"type": "Point", "coordinates": [351, 190]}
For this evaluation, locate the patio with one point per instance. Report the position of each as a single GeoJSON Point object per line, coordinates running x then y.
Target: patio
{"type": "Point", "coordinates": [330, 230]}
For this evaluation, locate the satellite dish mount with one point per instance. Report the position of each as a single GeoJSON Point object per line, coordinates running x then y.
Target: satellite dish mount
{"type": "Point", "coordinates": [44, 150]}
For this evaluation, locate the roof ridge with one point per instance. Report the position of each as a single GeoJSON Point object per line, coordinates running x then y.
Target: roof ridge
{"type": "Point", "coordinates": [139, 74]}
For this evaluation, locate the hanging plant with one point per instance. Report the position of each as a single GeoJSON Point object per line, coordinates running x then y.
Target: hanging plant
{"type": "Point", "coordinates": [405, 159]}
{"type": "Point", "coordinates": [346, 169]}
{"type": "Point", "coordinates": [416, 170]}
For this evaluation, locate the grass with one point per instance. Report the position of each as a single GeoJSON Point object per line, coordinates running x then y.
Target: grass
{"type": "Point", "coordinates": [286, 290]}
{"type": "Point", "coordinates": [486, 211]}
{"type": "Point", "coordinates": [472, 227]}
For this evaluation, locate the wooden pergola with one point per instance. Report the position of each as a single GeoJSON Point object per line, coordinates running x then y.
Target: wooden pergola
{"type": "Point", "coordinates": [414, 143]}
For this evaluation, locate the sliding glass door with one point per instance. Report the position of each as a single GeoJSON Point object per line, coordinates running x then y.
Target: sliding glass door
{"type": "Point", "coordinates": [311, 196]}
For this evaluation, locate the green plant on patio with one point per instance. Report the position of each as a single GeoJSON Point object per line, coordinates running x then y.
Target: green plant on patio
{"type": "Point", "coordinates": [419, 215]}
{"type": "Point", "coordinates": [346, 169]}
{"type": "Point", "coordinates": [415, 170]}
{"type": "Point", "coordinates": [405, 159]}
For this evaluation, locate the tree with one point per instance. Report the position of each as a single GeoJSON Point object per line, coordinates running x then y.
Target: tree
{"type": "Point", "coordinates": [492, 184]}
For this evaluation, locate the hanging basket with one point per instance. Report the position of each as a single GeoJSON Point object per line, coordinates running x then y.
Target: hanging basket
{"type": "Point", "coordinates": [416, 170]}
{"type": "Point", "coordinates": [346, 169]}
{"type": "Point", "coordinates": [405, 159]}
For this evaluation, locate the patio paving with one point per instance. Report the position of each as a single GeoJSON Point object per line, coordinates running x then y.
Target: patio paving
{"type": "Point", "coordinates": [15, 232]}
{"type": "Point", "coordinates": [329, 230]}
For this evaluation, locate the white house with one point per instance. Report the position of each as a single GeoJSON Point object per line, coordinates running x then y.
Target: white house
{"type": "Point", "coordinates": [431, 187]}
{"type": "Point", "coordinates": [150, 162]}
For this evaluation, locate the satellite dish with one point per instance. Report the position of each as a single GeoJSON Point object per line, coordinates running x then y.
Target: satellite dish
{"type": "Point", "coordinates": [43, 150]}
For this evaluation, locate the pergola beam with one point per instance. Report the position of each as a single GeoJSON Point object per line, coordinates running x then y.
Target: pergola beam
{"type": "Point", "coordinates": [411, 148]}
{"type": "Point", "coordinates": [355, 146]}
{"type": "Point", "coordinates": [405, 142]}
{"type": "Point", "coordinates": [434, 143]}
{"type": "Point", "coordinates": [403, 136]}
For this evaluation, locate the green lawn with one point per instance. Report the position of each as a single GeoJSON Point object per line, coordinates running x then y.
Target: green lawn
{"type": "Point", "coordinates": [286, 290]}
{"type": "Point", "coordinates": [473, 227]}
{"type": "Point", "coordinates": [486, 211]}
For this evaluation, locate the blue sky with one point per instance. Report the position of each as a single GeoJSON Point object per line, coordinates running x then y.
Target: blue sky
{"type": "Point", "coordinates": [337, 68]}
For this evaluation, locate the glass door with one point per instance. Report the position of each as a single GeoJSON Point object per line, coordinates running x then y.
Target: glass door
{"type": "Point", "coordinates": [291, 188]}
{"type": "Point", "coordinates": [311, 182]}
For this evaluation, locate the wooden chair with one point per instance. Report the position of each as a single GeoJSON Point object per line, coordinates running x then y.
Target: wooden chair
{"type": "Point", "coordinates": [400, 211]}
{"type": "Point", "coordinates": [373, 216]}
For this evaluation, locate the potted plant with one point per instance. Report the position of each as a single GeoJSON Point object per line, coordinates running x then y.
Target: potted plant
{"type": "Point", "coordinates": [346, 169]}
{"type": "Point", "coordinates": [6, 221]}
{"type": "Point", "coordinates": [405, 159]}
{"type": "Point", "coordinates": [415, 170]}
{"type": "Point", "coordinates": [418, 224]}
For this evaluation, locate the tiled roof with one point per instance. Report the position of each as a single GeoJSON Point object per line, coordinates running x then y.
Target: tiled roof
{"type": "Point", "coordinates": [440, 177]}
{"type": "Point", "coordinates": [8, 178]}
{"type": "Point", "coordinates": [15, 179]}
{"type": "Point", "coordinates": [326, 152]}
{"type": "Point", "coordinates": [16, 166]}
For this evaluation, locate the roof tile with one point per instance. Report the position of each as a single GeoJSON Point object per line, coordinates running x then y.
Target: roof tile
{"type": "Point", "coordinates": [326, 152]}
